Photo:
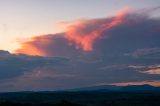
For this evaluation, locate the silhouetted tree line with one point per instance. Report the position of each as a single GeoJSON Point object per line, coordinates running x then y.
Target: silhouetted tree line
{"type": "Point", "coordinates": [62, 103]}
{"type": "Point", "coordinates": [123, 102]}
{"type": "Point", "coordinates": [81, 99]}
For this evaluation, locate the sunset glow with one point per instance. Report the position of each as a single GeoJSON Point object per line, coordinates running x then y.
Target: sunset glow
{"type": "Point", "coordinates": [60, 44]}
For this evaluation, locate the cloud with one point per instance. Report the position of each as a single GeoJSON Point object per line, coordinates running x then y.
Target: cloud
{"type": "Point", "coordinates": [152, 71]}
{"type": "Point", "coordinates": [24, 72]}
{"type": "Point", "coordinates": [48, 45]}
{"type": "Point", "coordinates": [123, 34]}
{"type": "Point", "coordinates": [85, 32]}
{"type": "Point", "coordinates": [80, 34]}
{"type": "Point", "coordinates": [4, 53]}
{"type": "Point", "coordinates": [12, 65]}
{"type": "Point", "coordinates": [146, 52]}
{"type": "Point", "coordinates": [43, 78]}
{"type": "Point", "coordinates": [118, 49]}
{"type": "Point", "coordinates": [136, 66]}
{"type": "Point", "coordinates": [154, 83]}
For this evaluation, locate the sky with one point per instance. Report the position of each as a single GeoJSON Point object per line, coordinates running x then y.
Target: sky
{"type": "Point", "coordinates": [61, 44]}
{"type": "Point", "coordinates": [22, 19]}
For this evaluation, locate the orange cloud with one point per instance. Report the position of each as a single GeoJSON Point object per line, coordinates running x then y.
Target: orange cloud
{"type": "Point", "coordinates": [80, 34]}
{"type": "Point", "coordinates": [85, 37]}
{"type": "Point", "coordinates": [28, 47]}
{"type": "Point", "coordinates": [152, 82]}
{"type": "Point", "coordinates": [152, 71]}
{"type": "Point", "coordinates": [47, 45]}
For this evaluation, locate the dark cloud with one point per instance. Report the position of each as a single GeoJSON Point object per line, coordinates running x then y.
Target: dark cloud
{"type": "Point", "coordinates": [12, 65]}
{"type": "Point", "coordinates": [23, 72]}
{"type": "Point", "coordinates": [120, 49]}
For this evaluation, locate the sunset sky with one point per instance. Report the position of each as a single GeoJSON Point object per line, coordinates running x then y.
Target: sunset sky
{"type": "Point", "coordinates": [26, 18]}
{"type": "Point", "coordinates": [59, 44]}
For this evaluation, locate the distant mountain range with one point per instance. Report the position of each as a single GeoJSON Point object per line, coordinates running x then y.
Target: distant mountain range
{"type": "Point", "coordinates": [145, 88]}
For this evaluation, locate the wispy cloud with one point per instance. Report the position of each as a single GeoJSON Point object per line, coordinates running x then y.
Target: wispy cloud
{"type": "Point", "coordinates": [152, 71]}
{"type": "Point", "coordinates": [154, 83]}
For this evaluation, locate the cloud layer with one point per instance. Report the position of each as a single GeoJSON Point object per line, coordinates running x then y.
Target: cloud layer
{"type": "Point", "coordinates": [120, 49]}
{"type": "Point", "coordinates": [125, 32]}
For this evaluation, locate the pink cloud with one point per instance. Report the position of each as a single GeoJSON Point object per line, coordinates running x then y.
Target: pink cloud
{"type": "Point", "coordinates": [85, 38]}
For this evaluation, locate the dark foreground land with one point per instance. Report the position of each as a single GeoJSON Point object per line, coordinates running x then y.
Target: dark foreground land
{"type": "Point", "coordinates": [80, 98]}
